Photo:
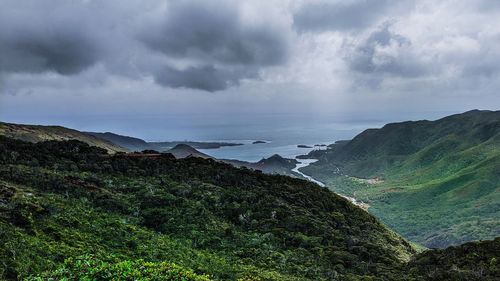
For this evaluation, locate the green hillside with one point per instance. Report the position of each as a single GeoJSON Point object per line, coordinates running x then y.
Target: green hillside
{"type": "Point", "coordinates": [37, 133]}
{"type": "Point", "coordinates": [69, 201]}
{"type": "Point", "coordinates": [435, 182]}
{"type": "Point", "coordinates": [471, 261]}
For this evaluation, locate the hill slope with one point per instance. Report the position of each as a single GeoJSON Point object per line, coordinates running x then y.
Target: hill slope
{"type": "Point", "coordinates": [275, 164]}
{"type": "Point", "coordinates": [136, 144]}
{"type": "Point", "coordinates": [37, 133]}
{"type": "Point", "coordinates": [435, 182]}
{"type": "Point", "coordinates": [470, 261]}
{"type": "Point", "coordinates": [184, 151]}
{"type": "Point", "coordinates": [131, 143]}
{"type": "Point", "coordinates": [66, 199]}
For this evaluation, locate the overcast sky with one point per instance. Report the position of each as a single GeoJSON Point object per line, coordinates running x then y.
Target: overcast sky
{"type": "Point", "coordinates": [138, 65]}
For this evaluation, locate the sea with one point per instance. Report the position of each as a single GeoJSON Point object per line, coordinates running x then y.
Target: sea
{"type": "Point", "coordinates": [284, 142]}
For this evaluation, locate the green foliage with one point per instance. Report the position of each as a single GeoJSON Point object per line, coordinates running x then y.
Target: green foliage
{"type": "Point", "coordinates": [440, 179]}
{"type": "Point", "coordinates": [89, 268]}
{"type": "Point", "coordinates": [62, 200]}
{"type": "Point", "coordinates": [69, 211]}
{"type": "Point", "coordinates": [470, 261]}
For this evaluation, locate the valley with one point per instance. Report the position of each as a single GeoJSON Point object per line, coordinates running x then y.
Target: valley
{"type": "Point", "coordinates": [435, 182]}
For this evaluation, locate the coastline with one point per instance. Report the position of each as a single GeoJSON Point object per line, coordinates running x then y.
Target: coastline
{"type": "Point", "coordinates": [306, 162]}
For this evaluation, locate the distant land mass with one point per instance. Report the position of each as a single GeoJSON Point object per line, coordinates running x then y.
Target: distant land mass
{"type": "Point", "coordinates": [183, 151]}
{"type": "Point", "coordinates": [435, 182]}
{"type": "Point", "coordinates": [194, 144]}
{"type": "Point", "coordinates": [272, 165]}
{"type": "Point", "coordinates": [136, 144]}
{"type": "Point", "coordinates": [130, 143]}
{"type": "Point", "coordinates": [303, 146]}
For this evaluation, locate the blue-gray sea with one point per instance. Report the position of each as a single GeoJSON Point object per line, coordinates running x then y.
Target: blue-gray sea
{"type": "Point", "coordinates": [283, 141]}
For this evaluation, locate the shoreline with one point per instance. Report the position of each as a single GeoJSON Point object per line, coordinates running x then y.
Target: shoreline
{"type": "Point", "coordinates": [306, 162]}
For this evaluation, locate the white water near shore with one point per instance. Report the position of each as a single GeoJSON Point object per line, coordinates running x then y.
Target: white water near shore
{"type": "Point", "coordinates": [306, 162]}
{"type": "Point", "coordinates": [303, 163]}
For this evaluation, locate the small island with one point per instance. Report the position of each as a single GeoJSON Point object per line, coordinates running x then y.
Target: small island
{"type": "Point", "coordinates": [259, 141]}
{"type": "Point", "coordinates": [165, 145]}
{"type": "Point", "coordinates": [303, 146]}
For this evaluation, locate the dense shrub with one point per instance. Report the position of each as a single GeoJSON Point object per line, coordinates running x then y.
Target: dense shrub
{"type": "Point", "coordinates": [90, 268]}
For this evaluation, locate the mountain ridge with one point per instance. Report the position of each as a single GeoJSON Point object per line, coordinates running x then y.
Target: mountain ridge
{"type": "Point", "coordinates": [454, 159]}
{"type": "Point", "coordinates": [37, 133]}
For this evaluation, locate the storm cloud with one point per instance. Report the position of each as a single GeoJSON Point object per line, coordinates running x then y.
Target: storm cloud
{"type": "Point", "coordinates": [217, 33]}
{"type": "Point", "coordinates": [207, 77]}
{"type": "Point", "coordinates": [139, 58]}
{"type": "Point", "coordinates": [206, 45]}
{"type": "Point", "coordinates": [219, 46]}
{"type": "Point", "coordinates": [33, 42]}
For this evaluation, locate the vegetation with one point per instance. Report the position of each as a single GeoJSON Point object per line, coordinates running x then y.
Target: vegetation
{"type": "Point", "coordinates": [89, 268]}
{"type": "Point", "coordinates": [69, 211]}
{"type": "Point", "coordinates": [60, 201]}
{"type": "Point", "coordinates": [37, 133]}
{"type": "Point", "coordinates": [439, 180]}
{"type": "Point", "coordinates": [470, 261]}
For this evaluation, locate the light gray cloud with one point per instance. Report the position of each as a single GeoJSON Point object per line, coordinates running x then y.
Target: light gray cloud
{"type": "Point", "coordinates": [384, 52]}
{"type": "Point", "coordinates": [340, 15]}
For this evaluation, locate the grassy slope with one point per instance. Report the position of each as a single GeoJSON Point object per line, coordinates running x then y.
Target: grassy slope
{"type": "Point", "coordinates": [36, 133]}
{"type": "Point", "coordinates": [442, 178]}
{"type": "Point", "coordinates": [65, 199]}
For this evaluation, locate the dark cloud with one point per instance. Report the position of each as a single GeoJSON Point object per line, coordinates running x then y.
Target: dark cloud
{"type": "Point", "coordinates": [34, 39]}
{"type": "Point", "coordinates": [217, 44]}
{"type": "Point", "coordinates": [215, 32]}
{"type": "Point", "coordinates": [341, 15]}
{"type": "Point", "coordinates": [60, 52]}
{"type": "Point", "coordinates": [207, 78]}
{"type": "Point", "coordinates": [214, 43]}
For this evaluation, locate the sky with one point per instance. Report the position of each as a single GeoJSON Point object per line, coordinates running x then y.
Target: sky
{"type": "Point", "coordinates": [171, 69]}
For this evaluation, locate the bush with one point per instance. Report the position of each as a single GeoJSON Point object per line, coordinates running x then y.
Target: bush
{"type": "Point", "coordinates": [90, 268]}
